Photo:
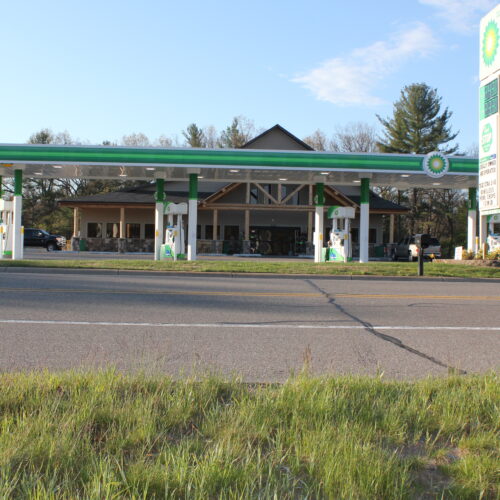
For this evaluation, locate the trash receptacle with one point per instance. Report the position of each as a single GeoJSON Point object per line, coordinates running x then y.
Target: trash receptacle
{"type": "Point", "coordinates": [83, 245]}
{"type": "Point", "coordinates": [324, 254]}
{"type": "Point", "coordinates": [379, 251]}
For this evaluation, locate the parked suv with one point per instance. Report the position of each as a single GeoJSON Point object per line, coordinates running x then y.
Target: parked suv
{"type": "Point", "coordinates": [41, 238]}
{"type": "Point", "coordinates": [406, 249]}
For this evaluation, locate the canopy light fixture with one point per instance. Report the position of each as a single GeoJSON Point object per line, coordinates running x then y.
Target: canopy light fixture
{"type": "Point", "coordinates": [57, 166]}
{"type": "Point", "coordinates": [405, 175]}
{"type": "Point", "coordinates": [234, 171]}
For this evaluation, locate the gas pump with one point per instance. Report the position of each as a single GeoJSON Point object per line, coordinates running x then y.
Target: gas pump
{"type": "Point", "coordinates": [339, 244]}
{"type": "Point", "coordinates": [6, 227]}
{"type": "Point", "coordinates": [493, 239]}
{"type": "Point", "coordinates": [174, 247]}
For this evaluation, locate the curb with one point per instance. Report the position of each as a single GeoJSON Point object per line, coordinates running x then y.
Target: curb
{"type": "Point", "coordinates": [129, 272]}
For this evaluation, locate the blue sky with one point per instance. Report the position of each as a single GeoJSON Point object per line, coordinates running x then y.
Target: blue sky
{"type": "Point", "coordinates": [103, 69]}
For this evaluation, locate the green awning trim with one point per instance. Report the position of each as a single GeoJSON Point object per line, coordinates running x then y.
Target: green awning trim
{"type": "Point", "coordinates": [18, 182]}
{"type": "Point", "coordinates": [220, 157]}
{"type": "Point", "coordinates": [365, 191]}
{"type": "Point", "coordinates": [193, 186]}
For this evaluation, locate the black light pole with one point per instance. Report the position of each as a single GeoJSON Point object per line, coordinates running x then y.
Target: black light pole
{"type": "Point", "coordinates": [422, 241]}
{"type": "Point", "coordinates": [420, 260]}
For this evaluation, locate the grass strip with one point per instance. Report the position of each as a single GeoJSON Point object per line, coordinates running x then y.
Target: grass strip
{"type": "Point", "coordinates": [110, 435]}
{"type": "Point", "coordinates": [432, 269]}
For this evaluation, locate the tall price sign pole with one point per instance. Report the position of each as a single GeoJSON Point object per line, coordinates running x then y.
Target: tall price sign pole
{"type": "Point", "coordinates": [489, 73]}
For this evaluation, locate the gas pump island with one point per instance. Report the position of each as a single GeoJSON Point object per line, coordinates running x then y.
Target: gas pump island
{"type": "Point", "coordinates": [339, 244]}
{"type": "Point", "coordinates": [174, 247]}
{"type": "Point", "coordinates": [6, 228]}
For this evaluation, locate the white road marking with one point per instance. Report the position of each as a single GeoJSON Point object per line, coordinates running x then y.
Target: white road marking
{"type": "Point", "coordinates": [246, 325]}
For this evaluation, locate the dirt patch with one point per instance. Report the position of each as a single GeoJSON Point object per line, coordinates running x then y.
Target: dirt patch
{"type": "Point", "coordinates": [430, 479]}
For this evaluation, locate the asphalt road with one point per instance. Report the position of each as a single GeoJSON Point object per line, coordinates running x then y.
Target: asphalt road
{"type": "Point", "coordinates": [260, 328]}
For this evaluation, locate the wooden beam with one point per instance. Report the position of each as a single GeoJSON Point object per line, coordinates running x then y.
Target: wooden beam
{"type": "Point", "coordinates": [222, 192]}
{"type": "Point", "coordinates": [242, 206]}
{"type": "Point", "coordinates": [214, 222]}
{"type": "Point", "coordinates": [247, 225]}
{"type": "Point", "coordinates": [270, 197]}
{"type": "Point", "coordinates": [296, 190]}
{"type": "Point", "coordinates": [122, 222]}
{"type": "Point", "coordinates": [340, 197]}
{"type": "Point", "coordinates": [76, 221]}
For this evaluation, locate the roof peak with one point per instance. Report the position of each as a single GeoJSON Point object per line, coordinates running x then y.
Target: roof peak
{"type": "Point", "coordinates": [282, 130]}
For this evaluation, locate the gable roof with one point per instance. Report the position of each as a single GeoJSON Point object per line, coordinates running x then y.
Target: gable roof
{"type": "Point", "coordinates": [276, 129]}
{"type": "Point", "coordinates": [143, 194]}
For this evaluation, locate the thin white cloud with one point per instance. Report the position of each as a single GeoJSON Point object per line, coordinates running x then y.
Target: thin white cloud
{"type": "Point", "coordinates": [352, 79]}
{"type": "Point", "coordinates": [461, 16]}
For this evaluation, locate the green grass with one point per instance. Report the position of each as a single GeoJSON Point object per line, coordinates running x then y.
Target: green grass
{"type": "Point", "coordinates": [242, 266]}
{"type": "Point", "coordinates": [108, 435]}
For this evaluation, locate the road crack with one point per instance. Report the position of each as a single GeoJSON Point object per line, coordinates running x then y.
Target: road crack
{"type": "Point", "coordinates": [369, 328]}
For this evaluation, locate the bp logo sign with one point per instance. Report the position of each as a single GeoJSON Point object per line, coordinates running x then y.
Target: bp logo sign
{"type": "Point", "coordinates": [435, 164]}
{"type": "Point", "coordinates": [487, 137]}
{"type": "Point", "coordinates": [490, 43]}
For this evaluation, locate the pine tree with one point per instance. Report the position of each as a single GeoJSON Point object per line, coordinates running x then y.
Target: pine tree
{"type": "Point", "coordinates": [194, 136]}
{"type": "Point", "coordinates": [237, 134]}
{"type": "Point", "coordinates": [417, 125]}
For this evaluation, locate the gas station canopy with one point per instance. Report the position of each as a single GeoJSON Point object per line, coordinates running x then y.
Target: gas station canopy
{"type": "Point", "coordinates": [401, 171]}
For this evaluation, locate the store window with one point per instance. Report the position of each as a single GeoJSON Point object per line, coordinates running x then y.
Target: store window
{"type": "Point", "coordinates": [232, 232]}
{"type": "Point", "coordinates": [209, 232]}
{"type": "Point", "coordinates": [149, 231]}
{"type": "Point", "coordinates": [112, 230]}
{"type": "Point", "coordinates": [133, 230]}
{"type": "Point", "coordinates": [94, 229]}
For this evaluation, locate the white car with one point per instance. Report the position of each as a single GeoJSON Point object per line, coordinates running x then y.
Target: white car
{"type": "Point", "coordinates": [407, 249]}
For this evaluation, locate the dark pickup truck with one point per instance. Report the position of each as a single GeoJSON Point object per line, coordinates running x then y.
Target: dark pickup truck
{"type": "Point", "coordinates": [41, 238]}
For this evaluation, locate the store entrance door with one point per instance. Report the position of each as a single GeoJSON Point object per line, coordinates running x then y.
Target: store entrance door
{"type": "Point", "coordinates": [276, 240]}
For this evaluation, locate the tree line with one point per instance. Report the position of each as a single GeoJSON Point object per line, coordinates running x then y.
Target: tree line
{"type": "Point", "coordinates": [419, 125]}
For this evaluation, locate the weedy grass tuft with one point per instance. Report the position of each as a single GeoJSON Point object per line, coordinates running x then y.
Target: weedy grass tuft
{"type": "Point", "coordinates": [110, 435]}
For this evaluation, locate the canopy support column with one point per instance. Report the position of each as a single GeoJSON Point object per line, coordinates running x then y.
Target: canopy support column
{"type": "Point", "coordinates": [318, 221]}
{"type": "Point", "coordinates": [159, 209]}
{"type": "Point", "coordinates": [17, 240]}
{"type": "Point", "coordinates": [483, 230]}
{"type": "Point", "coordinates": [364, 220]}
{"type": "Point", "coordinates": [192, 216]}
{"type": "Point", "coordinates": [471, 221]}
